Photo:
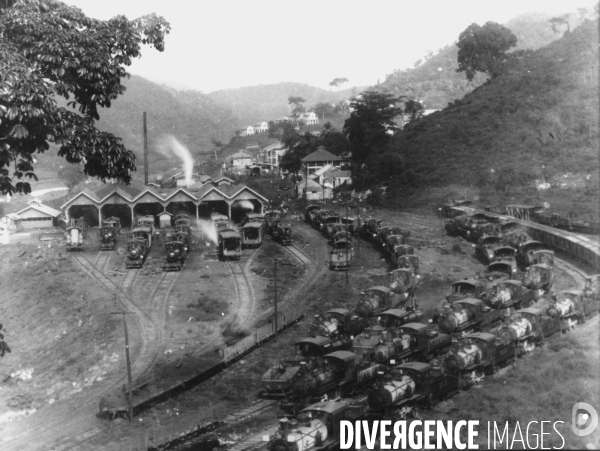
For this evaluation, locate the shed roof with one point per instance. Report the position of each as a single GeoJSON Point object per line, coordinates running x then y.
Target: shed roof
{"type": "Point", "coordinates": [42, 209]}
{"type": "Point", "coordinates": [321, 154]}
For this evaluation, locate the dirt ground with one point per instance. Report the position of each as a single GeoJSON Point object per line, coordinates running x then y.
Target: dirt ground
{"type": "Point", "coordinates": [62, 334]}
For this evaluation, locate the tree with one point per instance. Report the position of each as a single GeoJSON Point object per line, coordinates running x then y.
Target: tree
{"type": "Point", "coordinates": [368, 127]}
{"type": "Point", "coordinates": [413, 109]}
{"type": "Point", "coordinates": [558, 21]}
{"type": "Point", "coordinates": [297, 105]}
{"type": "Point", "coordinates": [71, 174]}
{"type": "Point", "coordinates": [322, 109]}
{"type": "Point", "coordinates": [337, 82]}
{"type": "Point", "coordinates": [483, 49]}
{"type": "Point", "coordinates": [50, 49]}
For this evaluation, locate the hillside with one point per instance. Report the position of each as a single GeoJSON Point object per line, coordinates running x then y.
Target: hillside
{"type": "Point", "coordinates": [268, 102]}
{"type": "Point", "coordinates": [535, 123]}
{"type": "Point", "coordinates": [192, 117]}
{"type": "Point", "coordinates": [435, 81]}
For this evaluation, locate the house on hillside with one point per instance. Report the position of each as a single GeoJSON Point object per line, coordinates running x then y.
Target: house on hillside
{"type": "Point", "coordinates": [318, 159]}
{"type": "Point", "coordinates": [337, 177]}
{"type": "Point", "coordinates": [271, 155]}
{"type": "Point", "coordinates": [247, 131]}
{"type": "Point", "coordinates": [261, 127]}
{"type": "Point", "coordinates": [240, 160]}
{"type": "Point", "coordinates": [309, 118]}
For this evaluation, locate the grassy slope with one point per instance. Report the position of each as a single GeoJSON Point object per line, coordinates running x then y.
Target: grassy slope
{"type": "Point", "coordinates": [57, 323]}
{"type": "Point", "coordinates": [537, 121]}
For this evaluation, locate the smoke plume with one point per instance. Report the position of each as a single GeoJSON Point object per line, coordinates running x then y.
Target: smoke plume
{"type": "Point", "coordinates": [208, 230]}
{"type": "Point", "coordinates": [169, 146]}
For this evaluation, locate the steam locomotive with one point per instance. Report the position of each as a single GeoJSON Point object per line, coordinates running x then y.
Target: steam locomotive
{"type": "Point", "coordinates": [74, 238]}
{"type": "Point", "coordinates": [138, 246]}
{"type": "Point", "coordinates": [109, 233]}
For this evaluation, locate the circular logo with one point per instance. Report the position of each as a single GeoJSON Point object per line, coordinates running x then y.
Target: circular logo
{"type": "Point", "coordinates": [584, 419]}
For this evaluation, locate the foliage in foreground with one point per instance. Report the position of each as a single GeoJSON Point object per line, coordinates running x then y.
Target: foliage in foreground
{"type": "Point", "coordinates": [50, 49]}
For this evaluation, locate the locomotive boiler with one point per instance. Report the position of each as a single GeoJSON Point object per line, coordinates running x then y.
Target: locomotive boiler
{"type": "Point", "coordinates": [376, 299]}
{"type": "Point", "coordinates": [467, 315]}
{"type": "Point", "coordinates": [176, 253]}
{"type": "Point", "coordinates": [409, 386]}
{"type": "Point", "coordinates": [137, 249]}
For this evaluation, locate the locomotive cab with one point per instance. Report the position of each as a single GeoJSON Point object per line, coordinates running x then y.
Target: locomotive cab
{"type": "Point", "coordinates": [252, 234]}
{"type": "Point", "coordinates": [341, 255]}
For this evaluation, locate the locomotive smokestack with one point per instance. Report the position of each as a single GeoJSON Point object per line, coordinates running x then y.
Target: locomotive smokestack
{"type": "Point", "coordinates": [145, 152]}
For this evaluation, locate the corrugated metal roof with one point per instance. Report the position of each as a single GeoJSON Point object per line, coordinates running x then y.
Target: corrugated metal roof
{"type": "Point", "coordinates": [42, 209]}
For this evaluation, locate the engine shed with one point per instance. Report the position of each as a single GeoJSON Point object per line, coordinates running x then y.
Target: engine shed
{"type": "Point", "coordinates": [127, 202]}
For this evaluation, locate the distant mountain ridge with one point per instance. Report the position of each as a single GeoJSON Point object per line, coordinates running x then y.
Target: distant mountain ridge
{"type": "Point", "coordinates": [269, 102]}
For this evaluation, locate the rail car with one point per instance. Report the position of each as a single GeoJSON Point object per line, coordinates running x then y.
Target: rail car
{"type": "Point", "coordinates": [315, 427]}
{"type": "Point", "coordinates": [230, 244]}
{"type": "Point", "coordinates": [337, 323]}
{"type": "Point", "coordinates": [137, 250]}
{"type": "Point", "coordinates": [545, 256]}
{"type": "Point", "coordinates": [339, 232]}
{"type": "Point", "coordinates": [277, 380]}
{"type": "Point", "coordinates": [370, 228]}
{"type": "Point", "coordinates": [146, 221]}
{"type": "Point", "coordinates": [218, 218]}
{"type": "Point", "coordinates": [477, 355]}
{"type": "Point", "coordinates": [466, 315]}
{"type": "Point", "coordinates": [272, 218]}
{"type": "Point", "coordinates": [252, 234]}
{"type": "Point", "coordinates": [409, 262]}
{"type": "Point", "coordinates": [335, 374]}
{"type": "Point", "coordinates": [144, 232]}
{"type": "Point", "coordinates": [526, 250]}
{"type": "Point", "coordinates": [528, 328]}
{"type": "Point", "coordinates": [329, 221]}
{"type": "Point", "coordinates": [108, 236]}
{"type": "Point", "coordinates": [176, 254]}
{"type": "Point", "coordinates": [409, 387]}
{"type": "Point", "coordinates": [467, 288]}
{"type": "Point", "coordinates": [350, 223]}
{"type": "Point", "coordinates": [388, 231]}
{"type": "Point", "coordinates": [404, 283]}
{"type": "Point", "coordinates": [377, 299]}
{"type": "Point", "coordinates": [539, 277]}
{"type": "Point", "coordinates": [74, 238]}
{"type": "Point", "coordinates": [310, 215]}
{"type": "Point", "coordinates": [340, 257]}
{"type": "Point", "coordinates": [399, 251]}
{"type": "Point", "coordinates": [573, 307]}
{"type": "Point", "coordinates": [253, 217]}
{"type": "Point", "coordinates": [484, 250]}
{"type": "Point", "coordinates": [284, 233]}
{"type": "Point", "coordinates": [391, 242]}
{"type": "Point", "coordinates": [509, 294]}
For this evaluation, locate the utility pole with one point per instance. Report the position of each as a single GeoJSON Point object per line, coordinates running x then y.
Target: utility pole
{"type": "Point", "coordinates": [358, 231]}
{"type": "Point", "coordinates": [347, 245]}
{"type": "Point", "coordinates": [306, 189]}
{"type": "Point", "coordinates": [130, 393]}
{"type": "Point", "coordinates": [275, 296]}
{"type": "Point", "coordinates": [145, 151]}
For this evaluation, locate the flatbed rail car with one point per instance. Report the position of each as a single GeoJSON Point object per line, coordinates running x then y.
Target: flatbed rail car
{"type": "Point", "coordinates": [74, 238]}
{"type": "Point", "coordinates": [230, 244]}
{"type": "Point", "coordinates": [252, 234]}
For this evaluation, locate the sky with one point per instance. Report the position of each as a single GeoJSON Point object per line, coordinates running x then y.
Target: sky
{"type": "Point", "coordinates": [224, 44]}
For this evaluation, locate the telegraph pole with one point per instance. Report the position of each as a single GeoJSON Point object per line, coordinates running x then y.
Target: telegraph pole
{"type": "Point", "coordinates": [275, 296]}
{"type": "Point", "coordinates": [306, 189]}
{"type": "Point", "coordinates": [358, 231]}
{"type": "Point", "coordinates": [145, 151]}
{"type": "Point", "coordinates": [347, 244]}
{"type": "Point", "coordinates": [130, 393]}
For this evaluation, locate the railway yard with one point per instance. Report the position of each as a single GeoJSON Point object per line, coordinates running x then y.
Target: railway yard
{"type": "Point", "coordinates": [193, 334]}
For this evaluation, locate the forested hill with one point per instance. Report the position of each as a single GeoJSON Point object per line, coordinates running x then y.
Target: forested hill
{"type": "Point", "coordinates": [269, 102]}
{"type": "Point", "coordinates": [537, 120]}
{"type": "Point", "coordinates": [190, 116]}
{"type": "Point", "coordinates": [435, 81]}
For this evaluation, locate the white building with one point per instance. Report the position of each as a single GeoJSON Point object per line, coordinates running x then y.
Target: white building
{"type": "Point", "coordinates": [240, 160]}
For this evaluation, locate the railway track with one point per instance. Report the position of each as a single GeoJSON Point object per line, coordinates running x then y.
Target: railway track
{"type": "Point", "coordinates": [71, 418]}
{"type": "Point", "coordinates": [244, 293]}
